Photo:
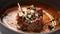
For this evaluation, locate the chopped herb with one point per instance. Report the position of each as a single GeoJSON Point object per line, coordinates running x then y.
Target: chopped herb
{"type": "Point", "coordinates": [29, 21]}
{"type": "Point", "coordinates": [34, 9]}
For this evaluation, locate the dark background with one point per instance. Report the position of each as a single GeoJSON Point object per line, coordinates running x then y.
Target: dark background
{"type": "Point", "coordinates": [53, 3]}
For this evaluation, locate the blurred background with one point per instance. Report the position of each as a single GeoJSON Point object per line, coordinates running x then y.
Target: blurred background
{"type": "Point", "coordinates": [53, 3]}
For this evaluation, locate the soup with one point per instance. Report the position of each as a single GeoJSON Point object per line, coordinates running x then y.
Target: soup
{"type": "Point", "coordinates": [30, 19]}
